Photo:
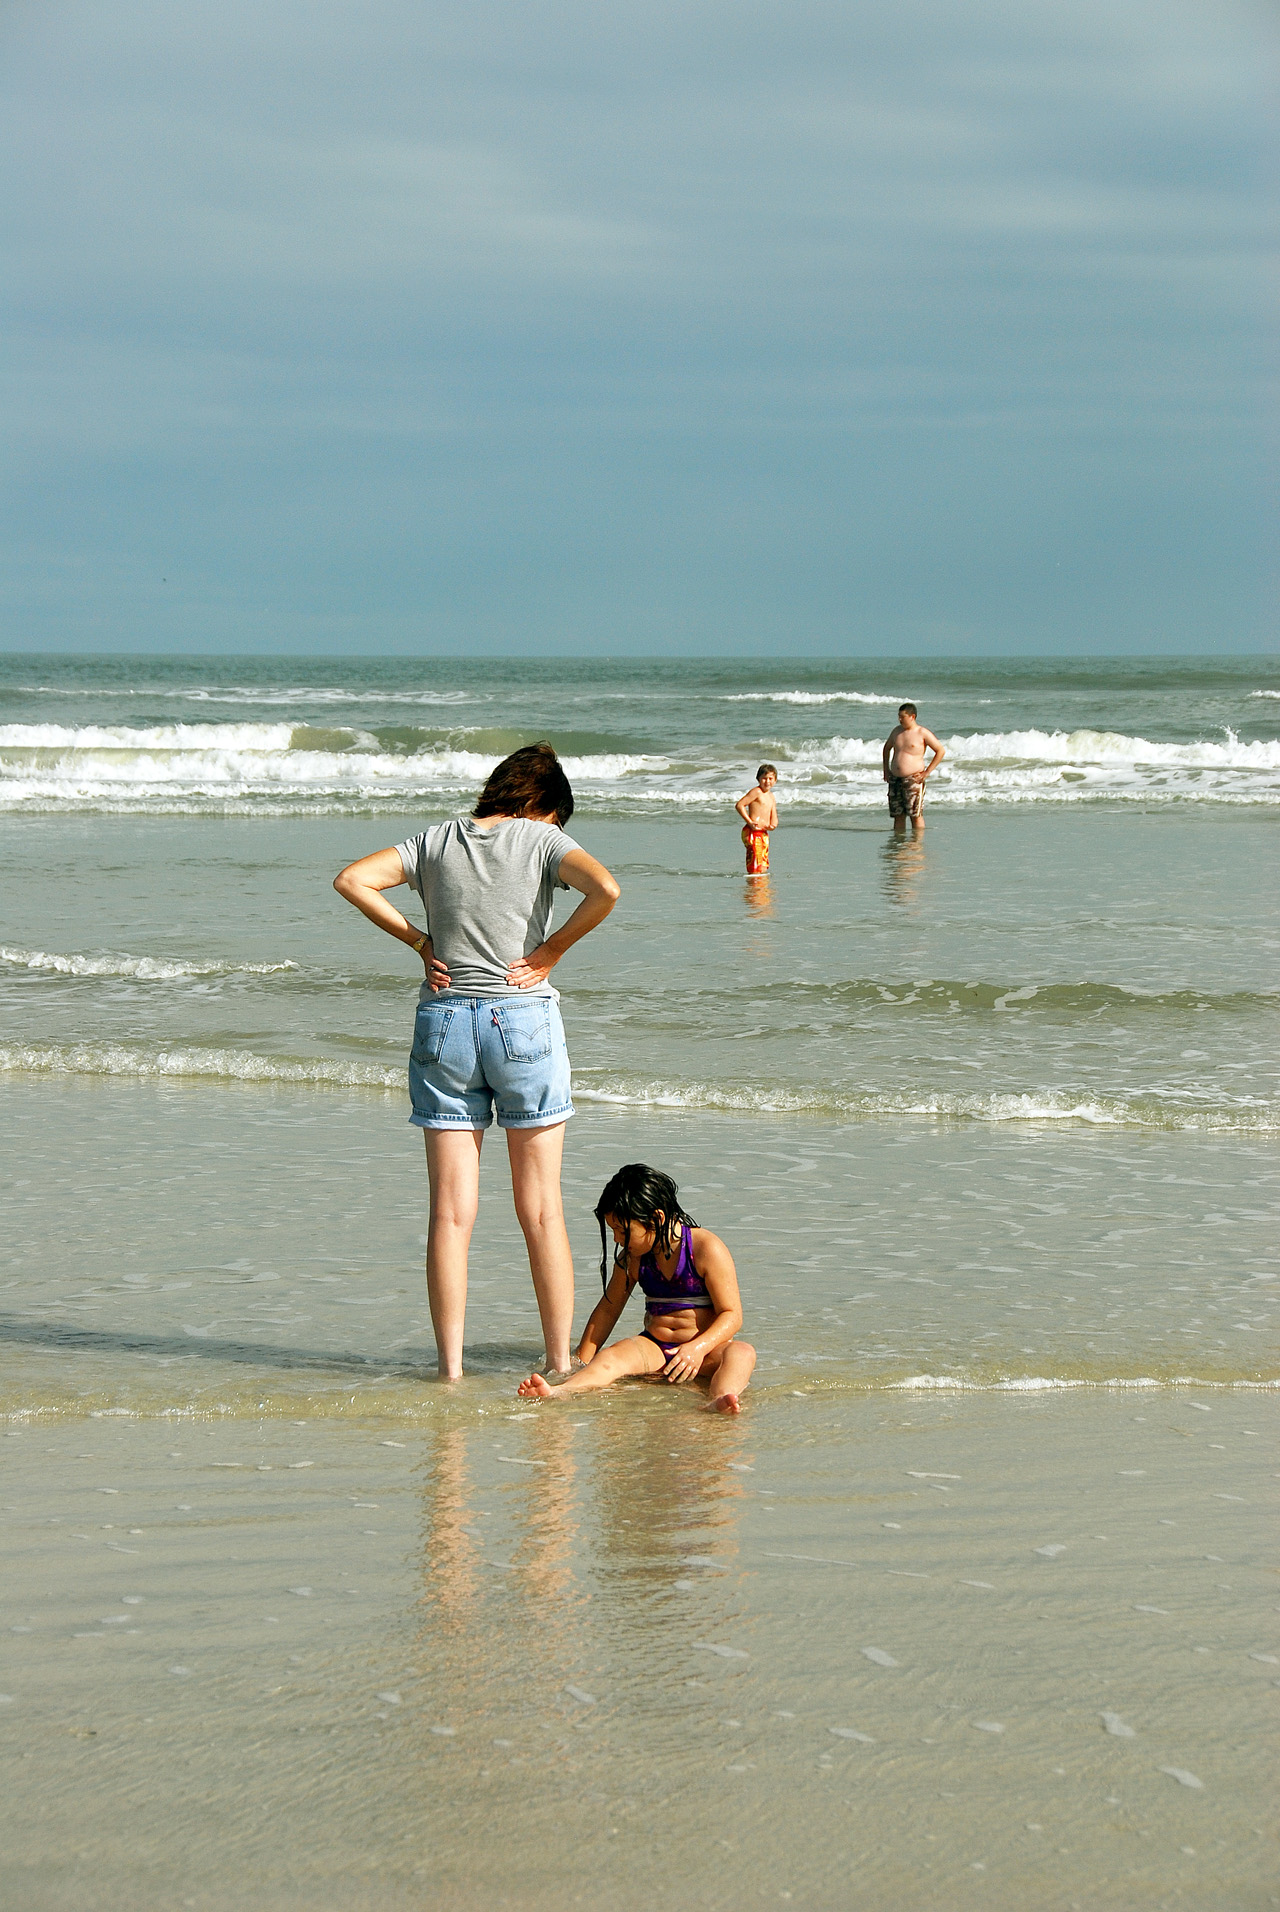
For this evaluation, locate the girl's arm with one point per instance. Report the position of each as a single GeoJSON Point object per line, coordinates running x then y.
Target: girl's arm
{"type": "Point", "coordinates": [604, 1316]}
{"type": "Point", "coordinates": [720, 1278]}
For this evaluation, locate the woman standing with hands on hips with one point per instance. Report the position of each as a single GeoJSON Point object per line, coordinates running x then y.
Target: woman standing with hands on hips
{"type": "Point", "coordinates": [488, 1029]}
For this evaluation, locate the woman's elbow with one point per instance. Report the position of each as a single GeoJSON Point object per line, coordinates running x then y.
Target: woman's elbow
{"type": "Point", "coordinates": [343, 882]}
{"type": "Point", "coordinates": [610, 890]}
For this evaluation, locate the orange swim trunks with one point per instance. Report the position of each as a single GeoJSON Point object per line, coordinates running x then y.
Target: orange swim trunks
{"type": "Point", "coordinates": [757, 842]}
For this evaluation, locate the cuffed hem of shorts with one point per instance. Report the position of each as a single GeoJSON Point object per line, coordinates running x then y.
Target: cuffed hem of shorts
{"type": "Point", "coordinates": [449, 1121]}
{"type": "Point", "coordinates": [545, 1118]}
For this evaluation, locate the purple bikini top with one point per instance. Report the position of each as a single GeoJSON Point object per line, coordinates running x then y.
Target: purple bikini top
{"type": "Point", "coordinates": [682, 1288]}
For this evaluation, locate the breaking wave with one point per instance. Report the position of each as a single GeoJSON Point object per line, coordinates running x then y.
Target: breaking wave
{"type": "Point", "coordinates": [227, 1065]}
{"type": "Point", "coordinates": [284, 768]}
{"type": "Point", "coordinates": [1039, 1107]}
{"type": "Point", "coordinates": [808, 697]}
{"type": "Point", "coordinates": [146, 969]}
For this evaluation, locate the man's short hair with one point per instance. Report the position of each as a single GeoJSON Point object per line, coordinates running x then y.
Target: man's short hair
{"type": "Point", "coordinates": [765, 770]}
{"type": "Point", "coordinates": [905, 707]}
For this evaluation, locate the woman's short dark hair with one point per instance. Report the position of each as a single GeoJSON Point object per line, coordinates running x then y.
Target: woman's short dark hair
{"type": "Point", "coordinates": [638, 1193]}
{"type": "Point", "coordinates": [531, 778]}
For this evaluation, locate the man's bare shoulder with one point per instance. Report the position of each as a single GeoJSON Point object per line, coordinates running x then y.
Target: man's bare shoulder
{"type": "Point", "coordinates": [929, 738]}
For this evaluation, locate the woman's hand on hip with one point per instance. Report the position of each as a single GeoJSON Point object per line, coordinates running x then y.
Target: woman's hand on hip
{"type": "Point", "coordinates": [437, 973]}
{"type": "Point", "coordinates": [528, 971]}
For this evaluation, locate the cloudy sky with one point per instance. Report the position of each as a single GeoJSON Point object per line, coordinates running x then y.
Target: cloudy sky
{"type": "Point", "coordinates": [718, 326]}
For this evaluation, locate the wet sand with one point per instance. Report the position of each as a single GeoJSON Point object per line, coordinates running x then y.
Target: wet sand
{"type": "Point", "coordinates": [975, 1650]}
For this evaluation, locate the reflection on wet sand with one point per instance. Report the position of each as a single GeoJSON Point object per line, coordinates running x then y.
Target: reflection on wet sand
{"type": "Point", "coordinates": [757, 894]}
{"type": "Point", "coordinates": [663, 1490]}
{"type": "Point", "coordinates": [542, 1552]}
{"type": "Point", "coordinates": [451, 1570]}
{"type": "Point", "coordinates": [902, 860]}
{"type": "Point", "coordinates": [499, 1601]}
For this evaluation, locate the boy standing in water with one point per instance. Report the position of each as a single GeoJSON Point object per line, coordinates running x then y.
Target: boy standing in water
{"type": "Point", "coordinates": [905, 768]}
{"type": "Point", "coordinates": [759, 815]}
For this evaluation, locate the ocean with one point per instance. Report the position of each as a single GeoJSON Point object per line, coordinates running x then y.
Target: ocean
{"type": "Point", "coordinates": [989, 1120]}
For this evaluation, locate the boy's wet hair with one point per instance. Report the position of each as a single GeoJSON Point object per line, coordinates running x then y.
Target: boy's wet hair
{"type": "Point", "coordinates": [766, 770]}
{"type": "Point", "coordinates": [638, 1193]}
{"type": "Point", "coordinates": [906, 707]}
{"type": "Point", "coordinates": [531, 778]}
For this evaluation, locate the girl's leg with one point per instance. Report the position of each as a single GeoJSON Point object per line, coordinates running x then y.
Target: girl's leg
{"type": "Point", "coordinates": [729, 1378]}
{"type": "Point", "coordinates": [633, 1356]}
{"type": "Point", "coordinates": [453, 1172]}
{"type": "Point", "coordinates": [535, 1182]}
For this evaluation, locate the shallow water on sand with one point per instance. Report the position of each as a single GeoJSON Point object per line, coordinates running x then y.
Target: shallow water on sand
{"type": "Point", "coordinates": [175, 1248]}
{"type": "Point", "coordinates": [969, 1651]}
{"type": "Point", "coordinates": [956, 1612]}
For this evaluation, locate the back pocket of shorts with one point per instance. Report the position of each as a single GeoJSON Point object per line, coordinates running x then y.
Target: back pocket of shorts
{"type": "Point", "coordinates": [525, 1028]}
{"type": "Point", "coordinates": [430, 1029]}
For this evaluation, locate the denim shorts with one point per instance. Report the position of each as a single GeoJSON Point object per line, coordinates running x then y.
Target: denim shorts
{"type": "Point", "coordinates": [471, 1053]}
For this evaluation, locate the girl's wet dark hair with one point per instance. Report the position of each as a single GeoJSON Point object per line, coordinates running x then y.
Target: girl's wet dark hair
{"type": "Point", "coordinates": [638, 1193]}
{"type": "Point", "coordinates": [531, 778]}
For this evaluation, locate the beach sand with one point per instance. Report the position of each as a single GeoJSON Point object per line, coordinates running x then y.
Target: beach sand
{"type": "Point", "coordinates": [287, 1622]}
{"type": "Point", "coordinates": [974, 1650]}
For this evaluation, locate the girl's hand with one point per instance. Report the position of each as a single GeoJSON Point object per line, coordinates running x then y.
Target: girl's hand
{"type": "Point", "coordinates": [437, 973]}
{"type": "Point", "coordinates": [528, 971]}
{"type": "Point", "coordinates": [684, 1363]}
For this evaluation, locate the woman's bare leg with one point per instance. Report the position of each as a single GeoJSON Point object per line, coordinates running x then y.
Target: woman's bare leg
{"type": "Point", "coordinates": [633, 1356]}
{"type": "Point", "coordinates": [453, 1172]}
{"type": "Point", "coordinates": [535, 1183]}
{"type": "Point", "coordinates": [730, 1377]}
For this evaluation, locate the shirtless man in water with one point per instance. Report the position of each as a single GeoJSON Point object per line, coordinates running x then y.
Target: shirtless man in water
{"type": "Point", "coordinates": [905, 769]}
{"type": "Point", "coordinates": [759, 813]}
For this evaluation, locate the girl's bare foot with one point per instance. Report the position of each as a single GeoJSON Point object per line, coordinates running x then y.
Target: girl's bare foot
{"type": "Point", "coordinates": [535, 1389]}
{"type": "Point", "coordinates": [725, 1404]}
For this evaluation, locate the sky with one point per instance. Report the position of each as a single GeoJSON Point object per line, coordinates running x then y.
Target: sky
{"type": "Point", "coordinates": [725, 327]}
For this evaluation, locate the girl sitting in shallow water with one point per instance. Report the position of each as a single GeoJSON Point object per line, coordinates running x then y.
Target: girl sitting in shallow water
{"type": "Point", "coordinates": [692, 1311]}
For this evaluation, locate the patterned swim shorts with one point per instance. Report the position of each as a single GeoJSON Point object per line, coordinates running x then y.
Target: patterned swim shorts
{"type": "Point", "coordinates": [757, 842]}
{"type": "Point", "coordinates": [906, 796]}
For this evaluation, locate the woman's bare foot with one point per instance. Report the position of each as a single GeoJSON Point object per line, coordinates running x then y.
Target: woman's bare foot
{"type": "Point", "coordinates": [725, 1404]}
{"type": "Point", "coordinates": [536, 1389]}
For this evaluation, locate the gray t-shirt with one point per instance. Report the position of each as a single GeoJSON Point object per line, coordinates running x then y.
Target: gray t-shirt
{"type": "Point", "coordinates": [488, 893]}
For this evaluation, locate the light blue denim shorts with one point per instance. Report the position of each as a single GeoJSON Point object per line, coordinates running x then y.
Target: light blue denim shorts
{"type": "Point", "coordinates": [474, 1053]}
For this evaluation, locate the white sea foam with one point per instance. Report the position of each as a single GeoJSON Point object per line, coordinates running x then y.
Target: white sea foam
{"type": "Point", "coordinates": [239, 1065]}
{"type": "Point", "coordinates": [1047, 1106]}
{"type": "Point", "coordinates": [181, 739]}
{"type": "Point", "coordinates": [1054, 1384]}
{"type": "Point", "coordinates": [808, 697]}
{"type": "Point", "coordinates": [269, 767]}
{"type": "Point", "coordinates": [232, 1065]}
{"type": "Point", "coordinates": [139, 968]}
{"type": "Point", "coordinates": [267, 696]}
